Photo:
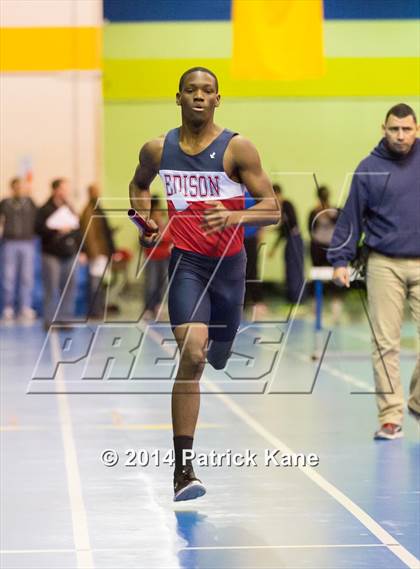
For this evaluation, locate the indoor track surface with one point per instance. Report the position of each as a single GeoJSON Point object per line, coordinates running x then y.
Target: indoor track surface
{"type": "Point", "coordinates": [63, 508]}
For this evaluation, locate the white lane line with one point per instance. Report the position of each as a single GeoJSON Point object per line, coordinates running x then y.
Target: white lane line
{"type": "Point", "coordinates": [199, 548]}
{"type": "Point", "coordinates": [163, 537]}
{"type": "Point", "coordinates": [376, 529]}
{"type": "Point", "coordinates": [77, 506]}
{"type": "Point", "coordinates": [310, 546]}
{"type": "Point", "coordinates": [348, 378]}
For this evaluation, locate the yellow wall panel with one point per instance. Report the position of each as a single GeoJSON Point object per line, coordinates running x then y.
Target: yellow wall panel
{"type": "Point", "coordinates": [50, 49]}
{"type": "Point", "coordinates": [277, 40]}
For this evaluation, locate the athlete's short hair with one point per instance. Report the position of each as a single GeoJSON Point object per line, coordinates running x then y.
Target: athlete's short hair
{"type": "Point", "coordinates": [401, 111]}
{"type": "Point", "coordinates": [193, 70]}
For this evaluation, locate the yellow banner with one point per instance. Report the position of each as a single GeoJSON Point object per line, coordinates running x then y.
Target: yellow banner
{"type": "Point", "coordinates": [277, 39]}
{"type": "Point", "coordinates": [50, 49]}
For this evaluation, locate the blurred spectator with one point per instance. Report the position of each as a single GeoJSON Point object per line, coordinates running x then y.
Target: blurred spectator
{"type": "Point", "coordinates": [59, 229]}
{"type": "Point", "coordinates": [293, 253]}
{"type": "Point", "coordinates": [321, 224]}
{"type": "Point", "coordinates": [98, 245]}
{"type": "Point", "coordinates": [253, 292]}
{"type": "Point", "coordinates": [157, 262]}
{"type": "Point", "coordinates": [17, 220]}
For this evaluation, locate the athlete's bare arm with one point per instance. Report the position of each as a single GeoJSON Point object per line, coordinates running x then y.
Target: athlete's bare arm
{"type": "Point", "coordinates": [243, 164]}
{"type": "Point", "coordinates": [146, 171]}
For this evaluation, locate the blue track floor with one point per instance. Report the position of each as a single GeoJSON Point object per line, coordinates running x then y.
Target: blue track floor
{"type": "Point", "coordinates": [62, 508]}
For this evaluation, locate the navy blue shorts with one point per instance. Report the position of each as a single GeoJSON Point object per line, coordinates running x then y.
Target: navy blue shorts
{"type": "Point", "coordinates": [208, 290]}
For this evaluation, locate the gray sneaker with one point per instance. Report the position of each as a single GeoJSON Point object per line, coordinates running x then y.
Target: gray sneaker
{"type": "Point", "coordinates": [389, 431]}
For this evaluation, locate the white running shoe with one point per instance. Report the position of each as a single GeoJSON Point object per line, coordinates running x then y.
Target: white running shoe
{"type": "Point", "coordinates": [389, 432]}
{"type": "Point", "coordinates": [28, 314]}
{"type": "Point", "coordinates": [8, 314]}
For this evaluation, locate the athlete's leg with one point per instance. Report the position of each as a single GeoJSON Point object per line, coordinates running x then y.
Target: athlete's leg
{"type": "Point", "coordinates": [192, 343]}
{"type": "Point", "coordinates": [227, 298]}
{"type": "Point", "coordinates": [219, 353]}
{"type": "Point", "coordinates": [189, 312]}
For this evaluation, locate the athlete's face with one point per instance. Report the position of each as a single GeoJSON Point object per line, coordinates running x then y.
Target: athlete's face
{"type": "Point", "coordinates": [198, 97]}
{"type": "Point", "coordinates": [400, 134]}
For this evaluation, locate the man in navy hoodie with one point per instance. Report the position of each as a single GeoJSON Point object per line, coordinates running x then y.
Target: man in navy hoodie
{"type": "Point", "coordinates": [384, 204]}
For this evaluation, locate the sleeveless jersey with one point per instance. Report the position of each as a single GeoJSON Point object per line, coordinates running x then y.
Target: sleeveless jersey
{"type": "Point", "coordinates": [189, 181]}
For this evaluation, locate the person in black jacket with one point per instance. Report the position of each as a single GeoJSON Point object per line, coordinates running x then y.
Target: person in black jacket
{"type": "Point", "coordinates": [58, 227]}
{"type": "Point", "coordinates": [98, 244]}
{"type": "Point", "coordinates": [321, 224]}
{"type": "Point", "coordinates": [294, 250]}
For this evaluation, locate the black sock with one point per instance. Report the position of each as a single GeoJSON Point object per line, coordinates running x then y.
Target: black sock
{"type": "Point", "coordinates": [180, 443]}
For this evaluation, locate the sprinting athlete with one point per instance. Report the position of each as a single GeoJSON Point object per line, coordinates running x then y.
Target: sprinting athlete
{"type": "Point", "coordinates": [204, 169]}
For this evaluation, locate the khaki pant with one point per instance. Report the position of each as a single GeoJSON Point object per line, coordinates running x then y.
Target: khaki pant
{"type": "Point", "coordinates": [389, 283]}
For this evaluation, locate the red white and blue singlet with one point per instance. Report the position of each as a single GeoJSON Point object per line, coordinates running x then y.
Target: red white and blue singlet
{"type": "Point", "coordinates": [191, 180]}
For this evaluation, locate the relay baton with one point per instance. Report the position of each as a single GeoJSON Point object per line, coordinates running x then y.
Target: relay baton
{"type": "Point", "coordinates": [142, 225]}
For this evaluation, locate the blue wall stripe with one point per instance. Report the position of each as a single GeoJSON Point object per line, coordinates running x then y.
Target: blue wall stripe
{"type": "Point", "coordinates": [166, 10]}
{"type": "Point", "coordinates": [187, 10]}
{"type": "Point", "coordinates": [371, 9]}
